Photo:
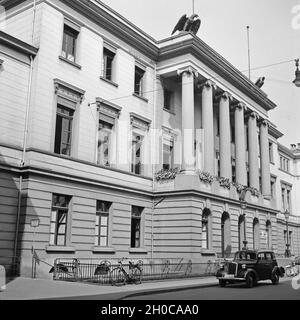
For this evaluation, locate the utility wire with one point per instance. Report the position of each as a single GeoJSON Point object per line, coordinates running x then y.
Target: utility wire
{"type": "Point", "coordinates": [211, 78]}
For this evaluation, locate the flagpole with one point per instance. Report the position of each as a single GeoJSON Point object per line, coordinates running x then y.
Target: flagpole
{"type": "Point", "coordinates": [249, 63]}
{"type": "Point", "coordinates": [193, 6]}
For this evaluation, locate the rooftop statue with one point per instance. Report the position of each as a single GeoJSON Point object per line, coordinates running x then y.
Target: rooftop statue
{"type": "Point", "coordinates": [260, 82]}
{"type": "Point", "coordinates": [191, 24]}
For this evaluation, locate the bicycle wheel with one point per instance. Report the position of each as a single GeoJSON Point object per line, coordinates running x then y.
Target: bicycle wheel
{"type": "Point", "coordinates": [137, 276]}
{"type": "Point", "coordinates": [117, 277]}
{"type": "Point", "coordinates": [288, 272]}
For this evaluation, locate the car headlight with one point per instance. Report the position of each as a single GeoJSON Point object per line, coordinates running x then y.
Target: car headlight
{"type": "Point", "coordinates": [244, 266]}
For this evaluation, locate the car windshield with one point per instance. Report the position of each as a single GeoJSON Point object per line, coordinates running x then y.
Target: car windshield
{"type": "Point", "coordinates": [245, 255]}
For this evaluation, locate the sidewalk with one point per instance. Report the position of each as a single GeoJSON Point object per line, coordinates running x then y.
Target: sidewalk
{"type": "Point", "coordinates": [32, 289]}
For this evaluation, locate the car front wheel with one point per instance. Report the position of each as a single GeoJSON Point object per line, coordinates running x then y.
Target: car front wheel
{"type": "Point", "coordinates": [249, 281]}
{"type": "Point", "coordinates": [275, 278]}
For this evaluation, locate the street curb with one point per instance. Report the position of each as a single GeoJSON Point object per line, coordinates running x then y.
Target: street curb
{"type": "Point", "coordinates": [135, 293]}
{"type": "Point", "coordinates": [165, 290]}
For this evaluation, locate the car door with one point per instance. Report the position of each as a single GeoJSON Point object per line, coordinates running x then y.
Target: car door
{"type": "Point", "coordinates": [262, 266]}
{"type": "Point", "coordinates": [269, 264]}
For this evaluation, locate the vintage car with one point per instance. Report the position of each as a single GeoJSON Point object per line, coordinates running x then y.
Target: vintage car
{"type": "Point", "coordinates": [250, 266]}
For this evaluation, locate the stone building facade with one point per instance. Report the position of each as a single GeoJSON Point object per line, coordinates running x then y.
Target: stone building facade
{"type": "Point", "coordinates": [122, 145]}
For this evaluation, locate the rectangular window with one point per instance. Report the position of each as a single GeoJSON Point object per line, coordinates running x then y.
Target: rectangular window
{"type": "Point", "coordinates": [284, 164]}
{"type": "Point", "coordinates": [108, 58]}
{"type": "Point", "coordinates": [69, 43]}
{"type": "Point", "coordinates": [283, 198]}
{"type": "Point", "coordinates": [138, 81]}
{"type": "Point", "coordinates": [273, 184]}
{"type": "Point", "coordinates": [137, 145]}
{"type": "Point", "coordinates": [59, 219]}
{"type": "Point", "coordinates": [136, 215]}
{"type": "Point", "coordinates": [63, 130]}
{"type": "Point", "coordinates": [288, 199]}
{"type": "Point", "coordinates": [104, 143]}
{"type": "Point", "coordinates": [168, 154]}
{"type": "Point", "coordinates": [290, 239]}
{"type": "Point", "coordinates": [167, 99]}
{"type": "Point", "coordinates": [102, 223]}
{"type": "Point", "coordinates": [205, 233]}
{"type": "Point", "coordinates": [285, 236]}
{"type": "Point", "coordinates": [271, 152]}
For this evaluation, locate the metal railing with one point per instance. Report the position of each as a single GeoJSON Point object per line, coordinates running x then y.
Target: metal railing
{"type": "Point", "coordinates": [104, 271]}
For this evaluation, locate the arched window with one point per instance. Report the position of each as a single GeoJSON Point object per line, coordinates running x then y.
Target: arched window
{"type": "Point", "coordinates": [255, 233]}
{"type": "Point", "coordinates": [226, 235]}
{"type": "Point", "coordinates": [269, 234]}
{"type": "Point", "coordinates": [206, 227]}
{"type": "Point", "coordinates": [241, 231]}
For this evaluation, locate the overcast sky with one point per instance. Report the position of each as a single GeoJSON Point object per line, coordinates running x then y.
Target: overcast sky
{"type": "Point", "coordinates": [274, 38]}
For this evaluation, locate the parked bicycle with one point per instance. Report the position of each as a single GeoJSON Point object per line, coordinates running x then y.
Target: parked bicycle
{"type": "Point", "coordinates": [119, 276]}
{"type": "Point", "coordinates": [292, 269]}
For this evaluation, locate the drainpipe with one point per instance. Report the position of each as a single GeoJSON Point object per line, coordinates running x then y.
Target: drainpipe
{"type": "Point", "coordinates": [153, 156]}
{"type": "Point", "coordinates": [33, 20]}
{"type": "Point", "coordinates": [22, 163]}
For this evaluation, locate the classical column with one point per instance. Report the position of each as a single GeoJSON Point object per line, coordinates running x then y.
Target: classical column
{"type": "Point", "coordinates": [265, 160]}
{"type": "Point", "coordinates": [225, 141]}
{"type": "Point", "coordinates": [188, 121]}
{"type": "Point", "coordinates": [253, 151]}
{"type": "Point", "coordinates": [208, 126]}
{"type": "Point", "coordinates": [240, 148]}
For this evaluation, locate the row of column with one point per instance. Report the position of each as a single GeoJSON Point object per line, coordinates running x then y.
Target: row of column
{"type": "Point", "coordinates": [224, 101]}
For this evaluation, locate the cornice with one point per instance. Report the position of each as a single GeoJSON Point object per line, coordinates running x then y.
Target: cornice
{"type": "Point", "coordinates": [216, 62]}
{"type": "Point", "coordinates": [17, 44]}
{"type": "Point", "coordinates": [124, 30]}
{"type": "Point", "coordinates": [274, 132]}
{"type": "Point", "coordinates": [285, 150]}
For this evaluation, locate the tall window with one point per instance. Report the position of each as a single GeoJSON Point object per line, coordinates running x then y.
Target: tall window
{"type": "Point", "coordinates": [167, 99]}
{"type": "Point", "coordinates": [137, 144]}
{"type": "Point", "coordinates": [108, 58]}
{"type": "Point", "coordinates": [59, 219]}
{"type": "Point", "coordinates": [291, 240]}
{"type": "Point", "coordinates": [102, 220]}
{"type": "Point", "coordinates": [271, 152]}
{"type": "Point", "coordinates": [283, 198]}
{"type": "Point", "coordinates": [205, 229]}
{"type": "Point", "coordinates": [241, 229]}
{"type": "Point", "coordinates": [225, 235]}
{"type": "Point", "coordinates": [69, 43]}
{"type": "Point", "coordinates": [288, 199]}
{"type": "Point", "coordinates": [136, 215]}
{"type": "Point", "coordinates": [256, 240]}
{"type": "Point", "coordinates": [273, 187]}
{"type": "Point", "coordinates": [168, 154]}
{"type": "Point", "coordinates": [104, 143]}
{"type": "Point", "coordinates": [138, 80]}
{"type": "Point", "coordinates": [63, 131]}
{"type": "Point", "coordinates": [269, 234]}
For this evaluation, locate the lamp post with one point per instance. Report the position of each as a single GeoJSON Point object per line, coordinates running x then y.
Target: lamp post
{"type": "Point", "coordinates": [243, 207]}
{"type": "Point", "coordinates": [34, 223]}
{"type": "Point", "coordinates": [287, 251]}
{"type": "Point", "coordinates": [297, 73]}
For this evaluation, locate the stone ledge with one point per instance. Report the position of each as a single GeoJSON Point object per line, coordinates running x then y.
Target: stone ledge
{"type": "Point", "coordinates": [60, 249]}
{"type": "Point", "coordinates": [98, 249]}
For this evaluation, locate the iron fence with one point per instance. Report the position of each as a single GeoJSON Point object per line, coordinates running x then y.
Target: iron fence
{"type": "Point", "coordinates": [106, 271]}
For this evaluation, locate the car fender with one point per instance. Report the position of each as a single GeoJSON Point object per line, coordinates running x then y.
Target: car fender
{"type": "Point", "coordinates": [251, 271]}
{"type": "Point", "coordinates": [279, 270]}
